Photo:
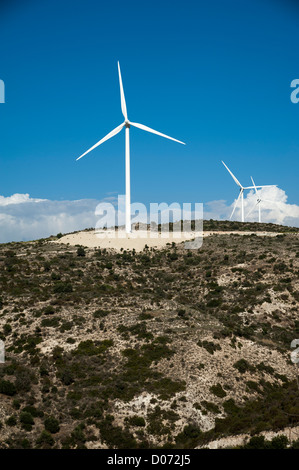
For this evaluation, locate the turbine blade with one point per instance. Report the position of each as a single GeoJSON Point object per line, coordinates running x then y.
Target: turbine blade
{"type": "Point", "coordinates": [267, 186]}
{"type": "Point", "coordinates": [253, 184]}
{"type": "Point", "coordinates": [253, 207]}
{"type": "Point", "coordinates": [233, 176]}
{"type": "Point", "coordinates": [235, 204]}
{"type": "Point", "coordinates": [108, 136]}
{"type": "Point", "coordinates": [148, 129]}
{"type": "Point", "coordinates": [258, 187]}
{"type": "Point", "coordinates": [272, 202]}
{"type": "Point", "coordinates": [122, 95]}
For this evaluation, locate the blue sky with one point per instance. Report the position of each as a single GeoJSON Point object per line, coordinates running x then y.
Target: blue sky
{"type": "Point", "coordinates": [214, 74]}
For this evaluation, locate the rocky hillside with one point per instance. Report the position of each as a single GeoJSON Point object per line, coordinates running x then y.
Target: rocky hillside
{"type": "Point", "coordinates": [165, 348]}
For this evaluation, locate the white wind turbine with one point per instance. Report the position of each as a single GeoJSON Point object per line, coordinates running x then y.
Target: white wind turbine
{"type": "Point", "coordinates": [241, 195]}
{"type": "Point", "coordinates": [127, 124]}
{"type": "Point", "coordinates": [258, 200]}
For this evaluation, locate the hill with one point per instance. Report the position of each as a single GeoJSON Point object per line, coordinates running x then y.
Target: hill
{"type": "Point", "coordinates": [165, 348]}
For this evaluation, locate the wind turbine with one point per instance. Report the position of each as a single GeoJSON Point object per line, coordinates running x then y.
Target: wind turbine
{"type": "Point", "coordinates": [241, 195]}
{"type": "Point", "coordinates": [127, 124]}
{"type": "Point", "coordinates": [258, 201]}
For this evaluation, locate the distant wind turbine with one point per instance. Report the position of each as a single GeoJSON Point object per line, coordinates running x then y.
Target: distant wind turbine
{"type": "Point", "coordinates": [258, 201]}
{"type": "Point", "coordinates": [127, 124]}
{"type": "Point", "coordinates": [241, 195]}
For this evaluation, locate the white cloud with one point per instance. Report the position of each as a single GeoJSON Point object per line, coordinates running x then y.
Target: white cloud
{"type": "Point", "coordinates": [17, 199]}
{"type": "Point", "coordinates": [217, 210]}
{"type": "Point", "coordinates": [25, 218]}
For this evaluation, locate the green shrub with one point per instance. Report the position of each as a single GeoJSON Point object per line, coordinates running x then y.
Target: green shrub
{"type": "Point", "coordinates": [33, 411]}
{"type": "Point", "coordinates": [218, 391]}
{"type": "Point", "coordinates": [253, 386]}
{"type": "Point", "coordinates": [115, 436]}
{"type": "Point", "coordinates": [89, 348]}
{"type": "Point", "coordinates": [51, 425]}
{"type": "Point", "coordinates": [214, 303]}
{"type": "Point", "coordinates": [189, 437]}
{"type": "Point", "coordinates": [230, 407]}
{"type": "Point", "coordinates": [26, 420]}
{"type": "Point", "coordinates": [295, 444]}
{"type": "Point", "coordinates": [182, 313]}
{"type": "Point", "coordinates": [279, 442]}
{"type": "Point", "coordinates": [136, 421]}
{"type": "Point", "coordinates": [81, 251]}
{"type": "Point", "coordinates": [67, 377]}
{"type": "Point", "coordinates": [7, 388]}
{"type": "Point", "coordinates": [63, 287]}
{"type": "Point", "coordinates": [210, 406]}
{"type": "Point", "coordinates": [11, 421]}
{"type": "Point", "coordinates": [23, 381]}
{"type": "Point", "coordinates": [55, 276]}
{"type": "Point", "coordinates": [243, 366]}
{"type": "Point", "coordinates": [100, 313]}
{"type": "Point", "coordinates": [25, 444]}
{"type": "Point", "coordinates": [256, 442]}
{"type": "Point", "coordinates": [7, 329]}
{"type": "Point", "coordinates": [209, 346]}
{"type": "Point", "coordinates": [45, 440]}
{"type": "Point", "coordinates": [259, 442]}
{"type": "Point", "coordinates": [51, 322]}
{"type": "Point", "coordinates": [49, 310]}
{"type": "Point", "coordinates": [75, 413]}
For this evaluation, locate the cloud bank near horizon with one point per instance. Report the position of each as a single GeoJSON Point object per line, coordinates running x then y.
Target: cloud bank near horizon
{"type": "Point", "coordinates": [24, 218]}
{"type": "Point", "coordinates": [274, 208]}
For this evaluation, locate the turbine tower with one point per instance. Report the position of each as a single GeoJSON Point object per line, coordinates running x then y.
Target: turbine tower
{"type": "Point", "coordinates": [258, 201]}
{"type": "Point", "coordinates": [127, 124]}
{"type": "Point", "coordinates": [241, 194]}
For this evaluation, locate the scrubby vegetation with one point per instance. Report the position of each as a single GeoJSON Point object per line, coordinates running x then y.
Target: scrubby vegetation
{"type": "Point", "coordinates": [166, 348]}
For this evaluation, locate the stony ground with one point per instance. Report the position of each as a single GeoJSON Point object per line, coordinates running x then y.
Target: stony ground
{"type": "Point", "coordinates": [166, 348]}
